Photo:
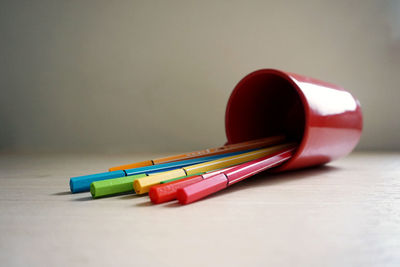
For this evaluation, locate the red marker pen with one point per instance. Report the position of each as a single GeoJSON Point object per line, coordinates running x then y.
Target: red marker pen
{"type": "Point", "coordinates": [236, 174]}
{"type": "Point", "coordinates": [166, 192]}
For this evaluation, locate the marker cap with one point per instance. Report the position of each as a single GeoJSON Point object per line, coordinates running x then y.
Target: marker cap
{"type": "Point", "coordinates": [201, 189]}
{"type": "Point", "coordinates": [82, 183]}
{"type": "Point", "coordinates": [167, 192]}
{"type": "Point", "coordinates": [114, 186]}
{"type": "Point", "coordinates": [142, 185]}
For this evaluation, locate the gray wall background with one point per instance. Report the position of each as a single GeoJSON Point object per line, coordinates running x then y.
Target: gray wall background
{"type": "Point", "coordinates": [126, 76]}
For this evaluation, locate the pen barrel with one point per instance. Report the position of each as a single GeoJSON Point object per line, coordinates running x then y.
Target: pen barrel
{"type": "Point", "coordinates": [237, 159]}
{"type": "Point", "coordinates": [249, 169]}
{"type": "Point", "coordinates": [131, 166]}
{"type": "Point", "coordinates": [323, 118]}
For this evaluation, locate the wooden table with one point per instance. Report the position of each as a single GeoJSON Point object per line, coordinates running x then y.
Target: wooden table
{"type": "Point", "coordinates": [344, 214]}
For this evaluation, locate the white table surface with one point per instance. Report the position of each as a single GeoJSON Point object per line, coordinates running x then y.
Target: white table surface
{"type": "Point", "coordinates": [344, 214]}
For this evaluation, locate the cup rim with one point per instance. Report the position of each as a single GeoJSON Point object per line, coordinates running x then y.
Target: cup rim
{"type": "Point", "coordinates": [306, 108]}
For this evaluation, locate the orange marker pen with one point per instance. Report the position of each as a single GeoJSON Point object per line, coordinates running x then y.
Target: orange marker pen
{"type": "Point", "coordinates": [252, 144]}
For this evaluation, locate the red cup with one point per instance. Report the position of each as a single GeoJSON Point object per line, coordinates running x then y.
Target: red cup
{"type": "Point", "coordinates": [323, 118]}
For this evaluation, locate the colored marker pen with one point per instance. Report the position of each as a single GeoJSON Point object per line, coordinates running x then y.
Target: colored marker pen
{"type": "Point", "coordinates": [167, 191]}
{"type": "Point", "coordinates": [203, 188]}
{"type": "Point", "coordinates": [142, 185]}
{"type": "Point", "coordinates": [115, 186]}
{"type": "Point", "coordinates": [82, 183]}
{"type": "Point", "coordinates": [251, 144]}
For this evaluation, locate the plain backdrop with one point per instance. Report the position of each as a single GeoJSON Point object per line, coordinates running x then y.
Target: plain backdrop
{"type": "Point", "coordinates": [128, 76]}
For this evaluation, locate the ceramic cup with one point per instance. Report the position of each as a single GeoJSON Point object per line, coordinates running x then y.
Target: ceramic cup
{"type": "Point", "coordinates": [323, 118]}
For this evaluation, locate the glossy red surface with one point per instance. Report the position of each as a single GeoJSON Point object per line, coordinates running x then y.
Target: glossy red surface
{"type": "Point", "coordinates": [323, 118]}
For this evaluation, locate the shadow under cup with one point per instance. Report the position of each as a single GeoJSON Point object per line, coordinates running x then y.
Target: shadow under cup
{"type": "Point", "coordinates": [323, 118]}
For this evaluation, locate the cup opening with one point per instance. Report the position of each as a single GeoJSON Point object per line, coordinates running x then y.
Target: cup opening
{"type": "Point", "coordinates": [265, 103]}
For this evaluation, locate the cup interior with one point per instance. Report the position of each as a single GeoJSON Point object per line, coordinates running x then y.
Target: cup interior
{"type": "Point", "coordinates": [263, 104]}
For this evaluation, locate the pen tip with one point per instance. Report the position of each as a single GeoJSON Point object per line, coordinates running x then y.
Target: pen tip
{"type": "Point", "coordinates": [154, 197]}
{"type": "Point", "coordinates": [93, 190]}
{"type": "Point", "coordinates": [137, 186]}
{"type": "Point", "coordinates": [71, 185]}
{"type": "Point", "coordinates": [182, 196]}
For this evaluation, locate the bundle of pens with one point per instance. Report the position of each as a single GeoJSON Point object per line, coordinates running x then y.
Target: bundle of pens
{"type": "Point", "coordinates": [188, 177]}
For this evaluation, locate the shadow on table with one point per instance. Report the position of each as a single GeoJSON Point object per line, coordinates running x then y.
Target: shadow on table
{"type": "Point", "coordinates": [132, 196]}
{"type": "Point", "coordinates": [124, 196]}
{"type": "Point", "coordinates": [62, 193]}
{"type": "Point", "coordinates": [78, 195]}
{"type": "Point", "coordinates": [144, 204]}
{"type": "Point", "coordinates": [87, 198]}
{"type": "Point", "coordinates": [267, 179]}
